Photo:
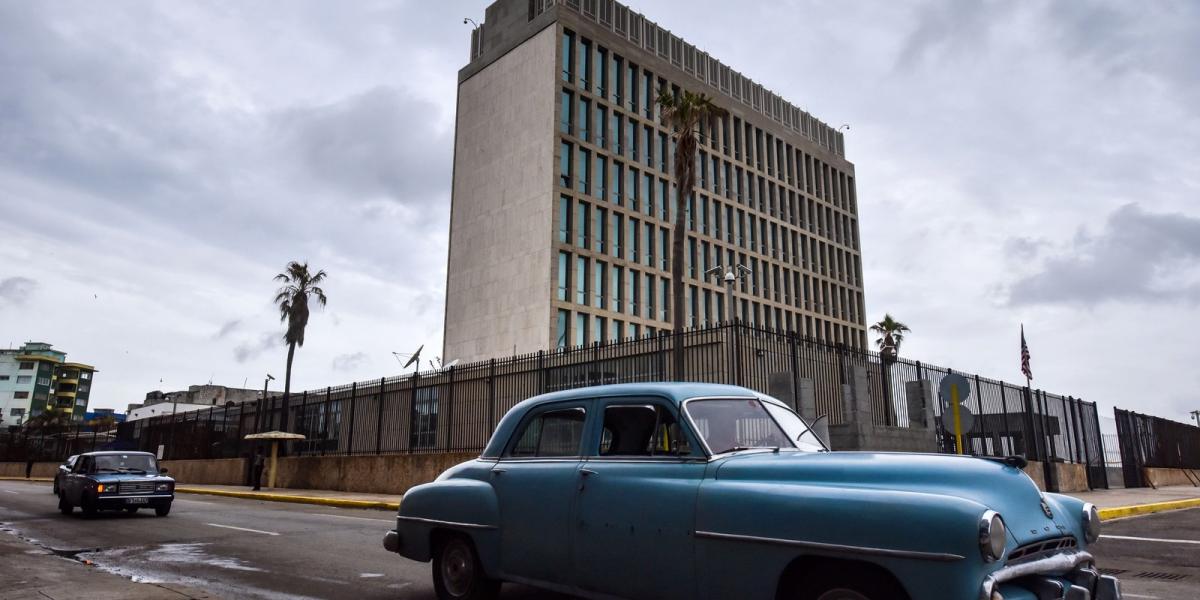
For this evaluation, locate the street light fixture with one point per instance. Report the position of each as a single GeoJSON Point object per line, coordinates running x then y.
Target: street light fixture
{"type": "Point", "coordinates": [729, 277]}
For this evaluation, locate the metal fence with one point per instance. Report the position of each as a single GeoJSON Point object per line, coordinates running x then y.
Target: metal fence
{"type": "Point", "coordinates": [1149, 441]}
{"type": "Point", "coordinates": [456, 408]}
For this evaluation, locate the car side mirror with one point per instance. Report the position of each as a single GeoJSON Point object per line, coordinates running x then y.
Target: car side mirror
{"type": "Point", "coordinates": [162, 471]}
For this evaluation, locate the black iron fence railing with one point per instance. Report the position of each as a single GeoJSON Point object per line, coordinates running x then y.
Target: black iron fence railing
{"type": "Point", "coordinates": [456, 408]}
{"type": "Point", "coordinates": [1149, 441]}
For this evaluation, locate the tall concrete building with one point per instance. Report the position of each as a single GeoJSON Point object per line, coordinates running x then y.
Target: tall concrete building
{"type": "Point", "coordinates": [560, 221]}
{"type": "Point", "coordinates": [36, 376]}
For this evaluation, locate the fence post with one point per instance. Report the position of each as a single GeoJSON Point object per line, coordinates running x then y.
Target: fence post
{"type": "Point", "coordinates": [379, 417]}
{"type": "Point", "coordinates": [737, 352]}
{"type": "Point", "coordinates": [449, 411]}
{"type": "Point", "coordinates": [325, 423]}
{"type": "Point", "coordinates": [795, 358]}
{"type": "Point", "coordinates": [660, 362]}
{"type": "Point", "coordinates": [491, 396]}
{"type": "Point", "coordinates": [412, 412]}
{"type": "Point", "coordinates": [541, 367]}
{"type": "Point", "coordinates": [350, 432]}
{"type": "Point", "coordinates": [1007, 431]}
{"type": "Point", "coordinates": [208, 438]}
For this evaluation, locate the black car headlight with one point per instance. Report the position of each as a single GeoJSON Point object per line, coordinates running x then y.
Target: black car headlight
{"type": "Point", "coordinates": [163, 487]}
{"type": "Point", "coordinates": [992, 536]}
{"type": "Point", "coordinates": [1091, 523]}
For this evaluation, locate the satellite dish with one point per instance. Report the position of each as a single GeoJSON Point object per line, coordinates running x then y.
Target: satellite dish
{"type": "Point", "coordinates": [450, 364]}
{"type": "Point", "coordinates": [416, 358]}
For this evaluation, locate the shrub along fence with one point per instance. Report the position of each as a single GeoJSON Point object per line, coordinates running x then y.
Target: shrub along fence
{"type": "Point", "coordinates": [1149, 441]}
{"type": "Point", "coordinates": [456, 408]}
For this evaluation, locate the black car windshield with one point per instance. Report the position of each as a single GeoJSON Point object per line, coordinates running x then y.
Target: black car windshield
{"type": "Point", "coordinates": [732, 424]}
{"type": "Point", "coordinates": [125, 463]}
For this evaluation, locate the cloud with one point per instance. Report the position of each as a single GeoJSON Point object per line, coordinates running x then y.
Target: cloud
{"type": "Point", "coordinates": [227, 328]}
{"type": "Point", "coordinates": [349, 362]}
{"type": "Point", "coordinates": [1138, 257]}
{"type": "Point", "coordinates": [16, 290]}
{"type": "Point", "coordinates": [248, 350]}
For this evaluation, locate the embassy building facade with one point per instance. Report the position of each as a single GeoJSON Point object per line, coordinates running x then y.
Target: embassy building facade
{"type": "Point", "coordinates": [560, 214]}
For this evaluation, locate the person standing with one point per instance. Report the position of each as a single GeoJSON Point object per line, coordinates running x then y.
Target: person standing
{"type": "Point", "coordinates": [258, 464]}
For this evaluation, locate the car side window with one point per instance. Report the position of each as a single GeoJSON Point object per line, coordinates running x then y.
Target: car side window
{"type": "Point", "coordinates": [83, 466]}
{"type": "Point", "coordinates": [555, 433]}
{"type": "Point", "coordinates": [642, 430]}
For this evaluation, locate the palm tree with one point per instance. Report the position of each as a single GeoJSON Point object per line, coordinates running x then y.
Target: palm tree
{"type": "Point", "coordinates": [891, 335]}
{"type": "Point", "coordinates": [51, 419]}
{"type": "Point", "coordinates": [683, 111]}
{"type": "Point", "coordinates": [292, 299]}
{"type": "Point", "coordinates": [104, 423]}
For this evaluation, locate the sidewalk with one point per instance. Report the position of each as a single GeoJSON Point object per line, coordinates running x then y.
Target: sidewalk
{"type": "Point", "coordinates": [33, 573]}
{"type": "Point", "coordinates": [1127, 502]}
{"type": "Point", "coordinates": [319, 497]}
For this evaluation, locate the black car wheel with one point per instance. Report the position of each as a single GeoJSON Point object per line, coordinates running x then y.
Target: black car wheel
{"type": "Point", "coordinates": [55, 486]}
{"type": "Point", "coordinates": [457, 573]}
{"type": "Point", "coordinates": [64, 507]}
{"type": "Point", "coordinates": [88, 508]}
{"type": "Point", "coordinates": [838, 582]}
{"type": "Point", "coordinates": [162, 511]}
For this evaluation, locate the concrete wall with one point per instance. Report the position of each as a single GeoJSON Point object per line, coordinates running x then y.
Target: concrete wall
{"type": "Point", "coordinates": [382, 474]}
{"type": "Point", "coordinates": [498, 284]}
{"type": "Point", "coordinates": [1161, 477]}
{"type": "Point", "coordinates": [17, 469]}
{"type": "Point", "coordinates": [1071, 477]}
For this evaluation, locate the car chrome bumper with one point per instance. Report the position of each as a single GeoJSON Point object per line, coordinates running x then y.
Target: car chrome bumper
{"type": "Point", "coordinates": [391, 541]}
{"type": "Point", "coordinates": [1083, 583]}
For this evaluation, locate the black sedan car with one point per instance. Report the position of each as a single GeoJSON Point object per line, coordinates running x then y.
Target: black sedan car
{"type": "Point", "coordinates": [116, 481]}
{"type": "Point", "coordinates": [63, 470]}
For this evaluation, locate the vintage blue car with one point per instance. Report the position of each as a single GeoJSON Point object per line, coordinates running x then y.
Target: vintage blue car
{"type": "Point", "coordinates": [116, 481]}
{"type": "Point", "coordinates": [678, 490]}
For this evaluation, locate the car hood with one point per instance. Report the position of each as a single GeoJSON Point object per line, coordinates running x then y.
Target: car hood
{"type": "Point", "coordinates": [117, 477]}
{"type": "Point", "coordinates": [1002, 488]}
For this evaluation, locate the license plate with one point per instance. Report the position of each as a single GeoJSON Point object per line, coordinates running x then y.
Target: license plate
{"type": "Point", "coordinates": [137, 501]}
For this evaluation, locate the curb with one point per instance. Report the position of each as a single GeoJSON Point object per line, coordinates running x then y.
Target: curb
{"type": "Point", "coordinates": [41, 479]}
{"type": "Point", "coordinates": [1120, 512]}
{"type": "Point", "coordinates": [270, 497]}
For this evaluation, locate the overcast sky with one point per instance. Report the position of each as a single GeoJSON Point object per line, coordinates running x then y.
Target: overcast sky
{"type": "Point", "coordinates": [1028, 162]}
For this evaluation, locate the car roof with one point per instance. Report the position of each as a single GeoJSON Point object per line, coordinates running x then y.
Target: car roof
{"type": "Point", "coordinates": [675, 392]}
{"type": "Point", "coordinates": [115, 452]}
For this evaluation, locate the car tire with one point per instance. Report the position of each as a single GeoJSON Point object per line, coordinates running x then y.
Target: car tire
{"type": "Point", "coordinates": [56, 486]}
{"type": "Point", "coordinates": [64, 507]}
{"type": "Point", "coordinates": [162, 511]}
{"type": "Point", "coordinates": [457, 572]}
{"type": "Point", "coordinates": [843, 584]}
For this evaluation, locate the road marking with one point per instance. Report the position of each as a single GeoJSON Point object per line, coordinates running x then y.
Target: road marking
{"type": "Point", "coordinates": [349, 517]}
{"type": "Point", "coordinates": [1143, 539]}
{"type": "Point", "coordinates": [12, 492]}
{"type": "Point", "coordinates": [370, 575]}
{"type": "Point", "coordinates": [1128, 595]}
{"type": "Point", "coordinates": [241, 529]}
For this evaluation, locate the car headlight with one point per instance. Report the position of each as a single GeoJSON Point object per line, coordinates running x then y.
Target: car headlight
{"type": "Point", "coordinates": [1091, 523]}
{"type": "Point", "coordinates": [992, 536]}
{"type": "Point", "coordinates": [163, 487]}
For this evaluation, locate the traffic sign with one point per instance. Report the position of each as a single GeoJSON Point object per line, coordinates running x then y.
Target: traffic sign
{"type": "Point", "coordinates": [956, 418]}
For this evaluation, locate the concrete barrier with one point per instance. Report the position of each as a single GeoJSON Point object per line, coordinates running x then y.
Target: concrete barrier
{"type": "Point", "coordinates": [1071, 477]}
{"type": "Point", "coordinates": [17, 469]}
{"type": "Point", "coordinates": [1160, 477]}
{"type": "Point", "coordinates": [218, 471]}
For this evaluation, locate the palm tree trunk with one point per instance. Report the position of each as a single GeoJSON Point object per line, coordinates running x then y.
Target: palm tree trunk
{"type": "Point", "coordinates": [287, 387]}
{"type": "Point", "coordinates": [684, 180]}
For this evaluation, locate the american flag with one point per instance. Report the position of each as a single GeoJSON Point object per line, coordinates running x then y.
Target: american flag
{"type": "Point", "coordinates": [1025, 356]}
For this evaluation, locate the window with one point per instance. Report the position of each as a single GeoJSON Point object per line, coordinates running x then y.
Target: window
{"type": "Point", "coordinates": [585, 63]}
{"type": "Point", "coordinates": [564, 165]}
{"type": "Point", "coordinates": [642, 430]}
{"type": "Point", "coordinates": [601, 176]}
{"type": "Point", "coordinates": [26, 365]}
{"type": "Point", "coordinates": [564, 276]}
{"type": "Point", "coordinates": [565, 123]}
{"type": "Point", "coordinates": [4, 377]}
{"type": "Point", "coordinates": [568, 56]}
{"type": "Point", "coordinates": [599, 281]}
{"type": "Point", "coordinates": [21, 395]}
{"type": "Point", "coordinates": [564, 219]}
{"type": "Point", "coordinates": [585, 115]}
{"type": "Point", "coordinates": [16, 412]}
{"type": "Point", "coordinates": [24, 379]}
{"type": "Point", "coordinates": [616, 289]}
{"type": "Point", "coordinates": [553, 433]}
{"type": "Point", "coordinates": [581, 280]}
{"type": "Point", "coordinates": [564, 316]}
{"type": "Point", "coordinates": [46, 380]}
{"type": "Point", "coordinates": [583, 223]}
{"type": "Point", "coordinates": [600, 239]}
{"type": "Point", "coordinates": [584, 166]}
{"type": "Point", "coordinates": [581, 330]}
{"type": "Point", "coordinates": [733, 424]}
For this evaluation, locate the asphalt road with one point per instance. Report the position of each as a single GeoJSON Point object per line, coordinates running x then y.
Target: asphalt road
{"type": "Point", "coordinates": [250, 549]}
{"type": "Point", "coordinates": [233, 548]}
{"type": "Point", "coordinates": [1157, 557]}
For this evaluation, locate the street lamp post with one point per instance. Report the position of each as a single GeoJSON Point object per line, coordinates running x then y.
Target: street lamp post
{"type": "Point", "coordinates": [262, 403]}
{"type": "Point", "coordinates": [1196, 416]}
{"type": "Point", "coordinates": [729, 276]}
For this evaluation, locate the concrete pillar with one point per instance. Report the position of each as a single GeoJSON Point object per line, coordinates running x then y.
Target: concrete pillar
{"type": "Point", "coordinates": [779, 385]}
{"type": "Point", "coordinates": [858, 397]}
{"type": "Point", "coordinates": [919, 399]}
{"type": "Point", "coordinates": [808, 399]}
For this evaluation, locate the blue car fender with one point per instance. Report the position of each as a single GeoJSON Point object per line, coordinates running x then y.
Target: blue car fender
{"type": "Point", "coordinates": [465, 506]}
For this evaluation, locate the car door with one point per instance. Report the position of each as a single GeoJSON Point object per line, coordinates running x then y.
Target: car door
{"type": "Point", "coordinates": [535, 483]}
{"type": "Point", "coordinates": [74, 481]}
{"type": "Point", "coordinates": [636, 503]}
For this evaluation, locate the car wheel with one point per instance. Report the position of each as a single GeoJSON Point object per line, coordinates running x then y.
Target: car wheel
{"type": "Point", "coordinates": [457, 573]}
{"type": "Point", "coordinates": [162, 511]}
{"type": "Point", "coordinates": [55, 487]}
{"type": "Point", "coordinates": [64, 507]}
{"type": "Point", "coordinates": [88, 507]}
{"type": "Point", "coordinates": [846, 584]}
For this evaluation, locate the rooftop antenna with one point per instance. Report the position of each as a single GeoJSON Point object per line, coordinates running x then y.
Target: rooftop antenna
{"type": "Point", "coordinates": [415, 360]}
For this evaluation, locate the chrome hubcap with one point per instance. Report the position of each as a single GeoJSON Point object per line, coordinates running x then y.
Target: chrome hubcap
{"type": "Point", "coordinates": [458, 569]}
{"type": "Point", "coordinates": [842, 594]}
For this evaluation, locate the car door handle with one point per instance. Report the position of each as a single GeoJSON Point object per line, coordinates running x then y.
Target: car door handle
{"type": "Point", "coordinates": [587, 472]}
{"type": "Point", "coordinates": [499, 471]}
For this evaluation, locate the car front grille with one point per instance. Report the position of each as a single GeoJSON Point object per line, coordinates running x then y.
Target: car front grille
{"type": "Point", "coordinates": [135, 487]}
{"type": "Point", "coordinates": [1041, 549]}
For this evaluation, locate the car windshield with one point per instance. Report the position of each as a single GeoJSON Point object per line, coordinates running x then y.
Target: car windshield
{"type": "Point", "coordinates": [729, 425]}
{"type": "Point", "coordinates": [126, 463]}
